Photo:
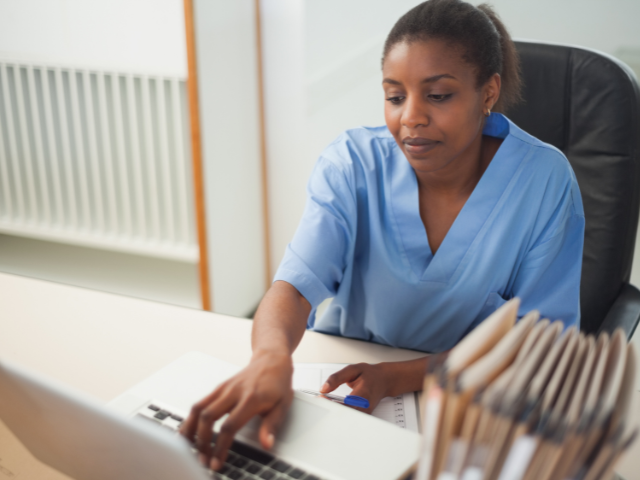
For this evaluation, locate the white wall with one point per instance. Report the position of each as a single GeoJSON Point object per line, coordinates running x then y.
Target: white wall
{"type": "Point", "coordinates": [606, 25]}
{"type": "Point", "coordinates": [285, 118]}
{"type": "Point", "coordinates": [138, 276]}
{"type": "Point", "coordinates": [226, 47]}
{"type": "Point", "coordinates": [145, 36]}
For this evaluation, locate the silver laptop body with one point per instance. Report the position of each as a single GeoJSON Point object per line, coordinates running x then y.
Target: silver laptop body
{"type": "Point", "coordinates": [81, 438]}
{"type": "Point", "coordinates": [86, 441]}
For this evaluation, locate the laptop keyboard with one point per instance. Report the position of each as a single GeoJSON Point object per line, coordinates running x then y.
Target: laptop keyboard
{"type": "Point", "coordinates": [243, 463]}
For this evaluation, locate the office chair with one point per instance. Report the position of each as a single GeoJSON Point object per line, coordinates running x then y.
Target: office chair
{"type": "Point", "coordinates": [587, 104]}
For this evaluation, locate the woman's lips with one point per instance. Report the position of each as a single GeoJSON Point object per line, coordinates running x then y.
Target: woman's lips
{"type": "Point", "coordinates": [418, 145]}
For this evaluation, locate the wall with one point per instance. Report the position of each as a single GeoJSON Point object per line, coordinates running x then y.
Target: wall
{"type": "Point", "coordinates": [145, 36]}
{"type": "Point", "coordinates": [604, 25]}
{"type": "Point", "coordinates": [226, 48]}
{"type": "Point", "coordinates": [156, 279]}
{"type": "Point", "coordinates": [285, 117]}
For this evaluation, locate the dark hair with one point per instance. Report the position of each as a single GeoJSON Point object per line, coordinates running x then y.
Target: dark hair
{"type": "Point", "coordinates": [477, 31]}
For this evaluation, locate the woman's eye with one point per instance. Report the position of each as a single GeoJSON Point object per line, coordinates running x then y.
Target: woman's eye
{"type": "Point", "coordinates": [439, 98]}
{"type": "Point", "coordinates": [395, 100]}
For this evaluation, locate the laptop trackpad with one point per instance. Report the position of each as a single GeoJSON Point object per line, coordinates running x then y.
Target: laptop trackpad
{"type": "Point", "coordinates": [301, 419]}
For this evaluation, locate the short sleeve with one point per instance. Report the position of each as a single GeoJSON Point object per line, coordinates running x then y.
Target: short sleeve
{"type": "Point", "coordinates": [315, 260]}
{"type": "Point", "coordinates": [548, 279]}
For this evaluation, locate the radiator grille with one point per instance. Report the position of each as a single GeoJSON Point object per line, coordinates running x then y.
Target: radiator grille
{"type": "Point", "coordinates": [95, 158]}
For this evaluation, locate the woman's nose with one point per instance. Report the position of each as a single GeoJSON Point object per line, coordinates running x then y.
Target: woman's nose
{"type": "Point", "coordinates": [415, 113]}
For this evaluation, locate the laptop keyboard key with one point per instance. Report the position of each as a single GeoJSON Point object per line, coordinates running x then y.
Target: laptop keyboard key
{"type": "Point", "coordinates": [154, 408]}
{"type": "Point", "coordinates": [296, 473]}
{"type": "Point", "coordinates": [312, 477]}
{"type": "Point", "coordinates": [281, 466]}
{"type": "Point", "coordinates": [235, 475]}
{"type": "Point", "coordinates": [251, 453]}
{"type": "Point", "coordinates": [253, 468]}
{"type": "Point", "coordinates": [240, 462]}
{"type": "Point", "coordinates": [161, 415]}
{"type": "Point", "coordinates": [268, 474]}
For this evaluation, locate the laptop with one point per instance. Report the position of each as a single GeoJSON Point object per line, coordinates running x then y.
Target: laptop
{"type": "Point", "coordinates": [134, 437]}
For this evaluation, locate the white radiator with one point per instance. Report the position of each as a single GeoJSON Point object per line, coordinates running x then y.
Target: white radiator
{"type": "Point", "coordinates": [97, 159]}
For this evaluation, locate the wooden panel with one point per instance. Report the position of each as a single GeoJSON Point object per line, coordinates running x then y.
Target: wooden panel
{"type": "Point", "coordinates": [196, 153]}
{"type": "Point", "coordinates": [263, 152]}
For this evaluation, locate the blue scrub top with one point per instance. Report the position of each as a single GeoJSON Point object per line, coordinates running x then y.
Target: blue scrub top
{"type": "Point", "coordinates": [362, 241]}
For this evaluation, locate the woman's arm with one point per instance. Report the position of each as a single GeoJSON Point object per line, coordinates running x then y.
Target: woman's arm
{"type": "Point", "coordinates": [280, 321]}
{"type": "Point", "coordinates": [263, 387]}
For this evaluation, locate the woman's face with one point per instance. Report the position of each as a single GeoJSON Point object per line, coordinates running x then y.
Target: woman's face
{"type": "Point", "coordinates": [433, 107]}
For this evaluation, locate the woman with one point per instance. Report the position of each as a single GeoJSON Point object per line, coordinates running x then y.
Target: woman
{"type": "Point", "coordinates": [419, 229]}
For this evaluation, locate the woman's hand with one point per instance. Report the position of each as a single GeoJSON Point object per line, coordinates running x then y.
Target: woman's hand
{"type": "Point", "coordinates": [374, 382]}
{"type": "Point", "coordinates": [367, 381]}
{"type": "Point", "coordinates": [262, 388]}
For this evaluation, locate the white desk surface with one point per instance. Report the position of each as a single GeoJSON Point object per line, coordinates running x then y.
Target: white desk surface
{"type": "Point", "coordinates": [103, 344]}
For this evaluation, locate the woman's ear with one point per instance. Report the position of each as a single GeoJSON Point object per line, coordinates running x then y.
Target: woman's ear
{"type": "Point", "coordinates": [491, 92]}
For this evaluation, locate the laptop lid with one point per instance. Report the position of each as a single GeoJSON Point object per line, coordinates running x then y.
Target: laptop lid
{"type": "Point", "coordinates": [79, 437]}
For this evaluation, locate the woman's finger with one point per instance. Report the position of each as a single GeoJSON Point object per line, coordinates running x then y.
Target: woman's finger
{"type": "Point", "coordinates": [347, 374]}
{"type": "Point", "coordinates": [239, 416]}
{"type": "Point", "coordinates": [208, 418]}
{"type": "Point", "coordinates": [190, 425]}
{"type": "Point", "coordinates": [272, 421]}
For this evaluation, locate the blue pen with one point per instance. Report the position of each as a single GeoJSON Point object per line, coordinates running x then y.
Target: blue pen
{"type": "Point", "coordinates": [350, 400]}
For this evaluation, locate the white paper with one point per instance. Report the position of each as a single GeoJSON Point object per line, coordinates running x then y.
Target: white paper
{"type": "Point", "coordinates": [522, 450]}
{"type": "Point", "coordinates": [447, 476]}
{"type": "Point", "coordinates": [473, 473]}
{"type": "Point", "coordinates": [430, 432]}
{"type": "Point", "coordinates": [401, 410]}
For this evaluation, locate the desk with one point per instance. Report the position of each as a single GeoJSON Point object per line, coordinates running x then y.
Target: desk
{"type": "Point", "coordinates": [103, 344]}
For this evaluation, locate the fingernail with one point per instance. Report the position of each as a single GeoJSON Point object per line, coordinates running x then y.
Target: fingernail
{"type": "Point", "coordinates": [203, 459]}
{"type": "Point", "coordinates": [325, 387]}
{"type": "Point", "coordinates": [270, 440]}
{"type": "Point", "coordinates": [215, 464]}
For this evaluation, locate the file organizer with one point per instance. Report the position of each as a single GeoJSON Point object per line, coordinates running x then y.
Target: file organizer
{"type": "Point", "coordinates": [527, 401]}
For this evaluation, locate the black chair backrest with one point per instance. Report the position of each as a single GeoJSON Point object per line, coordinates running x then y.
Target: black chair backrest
{"type": "Point", "coordinates": [587, 104]}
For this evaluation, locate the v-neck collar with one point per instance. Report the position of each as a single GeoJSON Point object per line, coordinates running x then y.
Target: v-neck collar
{"type": "Point", "coordinates": [473, 215]}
